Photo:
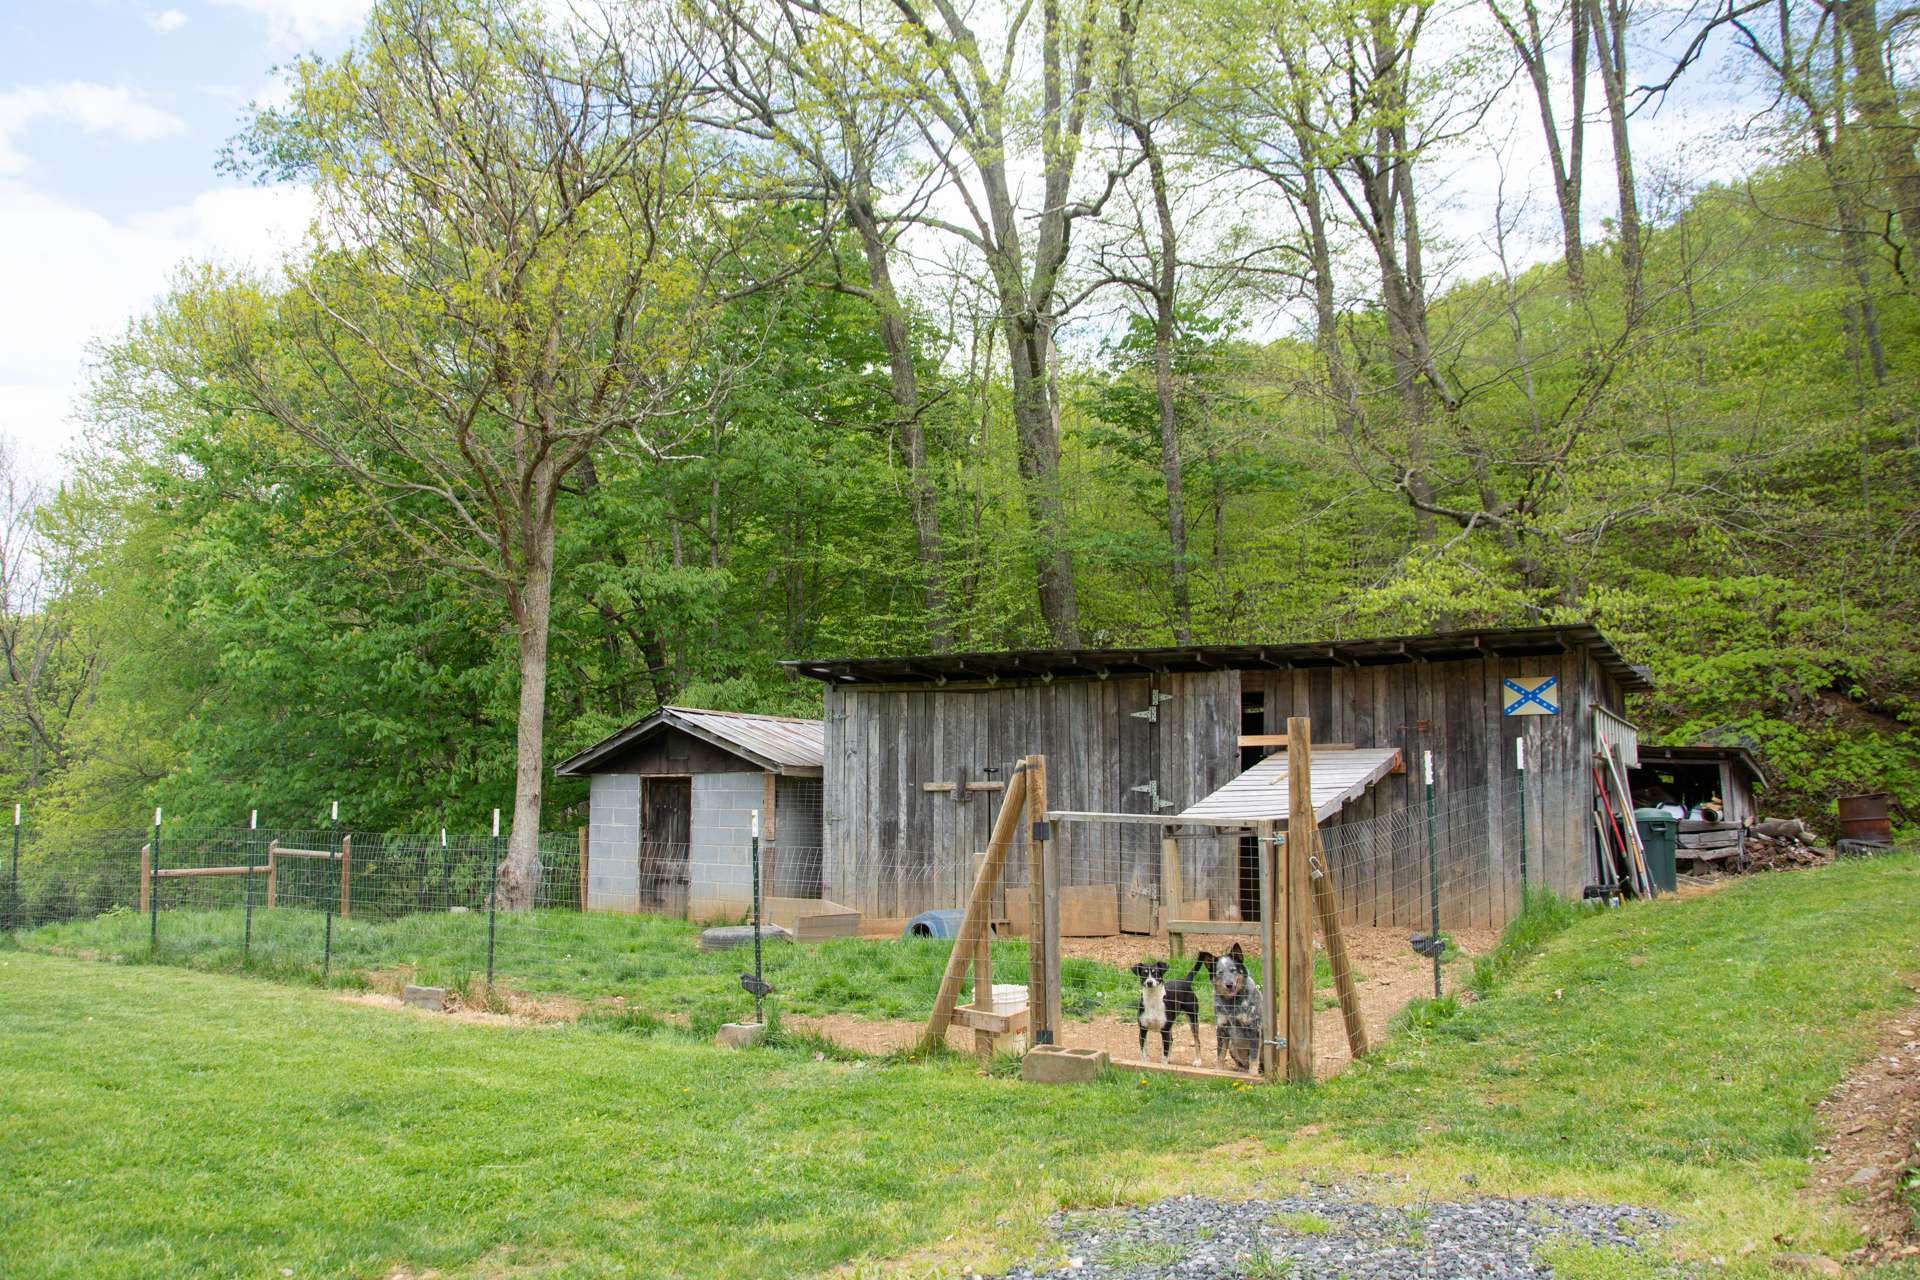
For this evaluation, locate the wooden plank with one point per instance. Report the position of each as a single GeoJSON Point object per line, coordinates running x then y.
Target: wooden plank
{"type": "Point", "coordinates": [192, 873]}
{"type": "Point", "coordinates": [1172, 889]}
{"type": "Point", "coordinates": [328, 854]}
{"type": "Point", "coordinates": [1336, 944]}
{"type": "Point", "coordinates": [973, 923]}
{"type": "Point", "coordinates": [583, 870]}
{"type": "Point", "coordinates": [1089, 911]}
{"type": "Point", "coordinates": [1049, 938]}
{"type": "Point", "coordinates": [273, 871]}
{"type": "Point", "coordinates": [1272, 972]}
{"type": "Point", "coordinates": [1296, 904]}
{"type": "Point", "coordinates": [146, 879]}
{"type": "Point", "coordinates": [346, 875]}
{"type": "Point", "coordinates": [1183, 1069]}
{"type": "Point", "coordinates": [1263, 740]}
{"type": "Point", "coordinates": [1226, 928]}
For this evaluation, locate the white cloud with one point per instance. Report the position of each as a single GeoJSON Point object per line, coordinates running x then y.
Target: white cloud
{"type": "Point", "coordinates": [115, 110]}
{"type": "Point", "coordinates": [299, 25]}
{"type": "Point", "coordinates": [167, 20]}
{"type": "Point", "coordinates": [88, 276]}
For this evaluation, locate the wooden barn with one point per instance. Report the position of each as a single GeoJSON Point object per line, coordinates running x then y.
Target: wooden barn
{"type": "Point", "coordinates": [916, 750]}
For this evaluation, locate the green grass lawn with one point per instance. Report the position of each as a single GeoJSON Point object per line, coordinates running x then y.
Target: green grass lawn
{"type": "Point", "coordinates": [155, 1121]}
{"type": "Point", "coordinates": [654, 964]}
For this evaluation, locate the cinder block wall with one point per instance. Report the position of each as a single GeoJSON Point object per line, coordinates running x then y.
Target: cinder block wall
{"type": "Point", "coordinates": [722, 862]}
{"type": "Point", "coordinates": [613, 842]}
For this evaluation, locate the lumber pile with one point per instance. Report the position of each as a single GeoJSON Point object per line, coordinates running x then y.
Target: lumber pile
{"type": "Point", "coordinates": [1774, 845]}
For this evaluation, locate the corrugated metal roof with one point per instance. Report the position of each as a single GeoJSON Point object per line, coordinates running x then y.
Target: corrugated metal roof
{"type": "Point", "coordinates": [1340, 774]}
{"type": "Point", "coordinates": [778, 744]}
{"type": "Point", "coordinates": [1449, 646]}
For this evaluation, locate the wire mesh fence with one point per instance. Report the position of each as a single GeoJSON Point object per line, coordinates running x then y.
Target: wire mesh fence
{"type": "Point", "coordinates": [607, 926]}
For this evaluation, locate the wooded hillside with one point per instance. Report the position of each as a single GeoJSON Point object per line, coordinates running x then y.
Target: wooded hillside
{"type": "Point", "coordinates": [628, 359]}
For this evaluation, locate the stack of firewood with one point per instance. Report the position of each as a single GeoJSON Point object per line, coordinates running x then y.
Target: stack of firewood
{"type": "Point", "coordinates": [1773, 845]}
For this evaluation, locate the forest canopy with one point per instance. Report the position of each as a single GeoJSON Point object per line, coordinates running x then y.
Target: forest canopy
{"type": "Point", "coordinates": [633, 351]}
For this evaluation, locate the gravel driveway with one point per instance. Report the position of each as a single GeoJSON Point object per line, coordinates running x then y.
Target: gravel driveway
{"type": "Point", "coordinates": [1330, 1233]}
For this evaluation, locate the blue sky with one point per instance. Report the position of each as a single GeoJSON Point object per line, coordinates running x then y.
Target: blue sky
{"type": "Point", "coordinates": [112, 117]}
{"type": "Point", "coordinates": [113, 114]}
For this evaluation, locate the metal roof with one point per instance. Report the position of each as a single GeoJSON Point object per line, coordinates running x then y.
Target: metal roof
{"type": "Point", "coordinates": [1340, 774]}
{"type": "Point", "coordinates": [1449, 646]}
{"type": "Point", "coordinates": [1702, 753]}
{"type": "Point", "coordinates": [777, 744]}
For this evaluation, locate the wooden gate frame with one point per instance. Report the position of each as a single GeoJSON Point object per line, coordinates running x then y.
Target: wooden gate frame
{"type": "Point", "coordinates": [1294, 889]}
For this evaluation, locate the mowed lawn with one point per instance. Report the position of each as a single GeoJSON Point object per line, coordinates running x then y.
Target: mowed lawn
{"type": "Point", "coordinates": [155, 1121]}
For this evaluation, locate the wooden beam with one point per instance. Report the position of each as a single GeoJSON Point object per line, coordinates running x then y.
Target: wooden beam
{"type": "Point", "coordinates": [1296, 901]}
{"type": "Point", "coordinates": [979, 904]}
{"type": "Point", "coordinates": [346, 874]}
{"type": "Point", "coordinates": [1234, 928]}
{"type": "Point", "coordinates": [1041, 1028]}
{"type": "Point", "coordinates": [146, 878]}
{"type": "Point", "coordinates": [1263, 739]}
{"type": "Point", "coordinates": [1272, 971]}
{"type": "Point", "coordinates": [1172, 893]}
{"type": "Point", "coordinates": [273, 869]}
{"type": "Point", "coordinates": [190, 873]}
{"type": "Point", "coordinates": [328, 854]}
{"type": "Point", "coordinates": [1336, 944]}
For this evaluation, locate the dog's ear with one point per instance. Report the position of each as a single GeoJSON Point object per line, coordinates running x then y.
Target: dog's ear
{"type": "Point", "coordinates": [1204, 959]}
{"type": "Point", "coordinates": [1237, 955]}
{"type": "Point", "coordinates": [1138, 971]}
{"type": "Point", "coordinates": [1159, 968]}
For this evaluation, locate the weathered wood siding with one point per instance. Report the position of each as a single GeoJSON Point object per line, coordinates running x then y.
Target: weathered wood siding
{"type": "Point", "coordinates": [893, 849]}
{"type": "Point", "coordinates": [1378, 845]}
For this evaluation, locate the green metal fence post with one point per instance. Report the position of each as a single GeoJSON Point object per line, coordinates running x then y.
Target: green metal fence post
{"type": "Point", "coordinates": [13, 883]}
{"type": "Point", "coordinates": [759, 985]}
{"type": "Point", "coordinates": [246, 936]}
{"type": "Point", "coordinates": [1520, 763]}
{"type": "Point", "coordinates": [1433, 877]}
{"type": "Point", "coordinates": [493, 897]}
{"type": "Point", "coordinates": [153, 886]}
{"type": "Point", "coordinates": [333, 828]}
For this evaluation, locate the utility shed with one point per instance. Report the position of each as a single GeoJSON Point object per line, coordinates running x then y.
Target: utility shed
{"type": "Point", "coordinates": [672, 799]}
{"type": "Point", "coordinates": [1700, 776]}
{"type": "Point", "coordinates": [916, 749]}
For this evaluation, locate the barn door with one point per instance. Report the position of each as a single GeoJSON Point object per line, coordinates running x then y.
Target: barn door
{"type": "Point", "coordinates": [666, 830]}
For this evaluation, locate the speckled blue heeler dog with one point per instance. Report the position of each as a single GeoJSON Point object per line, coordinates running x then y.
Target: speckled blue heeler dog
{"type": "Point", "coordinates": [1236, 1008]}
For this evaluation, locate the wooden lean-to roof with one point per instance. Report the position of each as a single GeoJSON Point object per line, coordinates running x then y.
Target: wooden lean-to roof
{"type": "Point", "coordinates": [1048, 664]}
{"type": "Point", "coordinates": [776, 744]}
{"type": "Point", "coordinates": [1261, 794]}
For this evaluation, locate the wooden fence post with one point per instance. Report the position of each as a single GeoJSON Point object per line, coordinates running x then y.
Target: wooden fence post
{"type": "Point", "coordinates": [583, 870]}
{"type": "Point", "coordinates": [146, 877]}
{"type": "Point", "coordinates": [273, 868]}
{"type": "Point", "coordinates": [1273, 971]}
{"type": "Point", "coordinates": [346, 874]}
{"type": "Point", "coordinates": [1172, 894]}
{"type": "Point", "coordinates": [1043, 912]}
{"type": "Point", "coordinates": [1296, 896]}
{"type": "Point", "coordinates": [979, 903]}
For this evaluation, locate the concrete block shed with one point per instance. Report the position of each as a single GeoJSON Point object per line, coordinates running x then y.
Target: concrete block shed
{"type": "Point", "coordinates": [671, 805]}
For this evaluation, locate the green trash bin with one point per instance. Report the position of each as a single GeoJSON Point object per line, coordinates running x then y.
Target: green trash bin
{"type": "Point", "coordinates": [1660, 833]}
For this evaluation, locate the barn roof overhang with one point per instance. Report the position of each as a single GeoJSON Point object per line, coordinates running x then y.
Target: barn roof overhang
{"type": "Point", "coordinates": [1048, 664]}
{"type": "Point", "coordinates": [1703, 753]}
{"type": "Point", "coordinates": [774, 744]}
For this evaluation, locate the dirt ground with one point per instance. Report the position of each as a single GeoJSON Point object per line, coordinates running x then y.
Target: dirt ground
{"type": "Point", "coordinates": [1871, 1124]}
{"type": "Point", "coordinates": [1388, 975]}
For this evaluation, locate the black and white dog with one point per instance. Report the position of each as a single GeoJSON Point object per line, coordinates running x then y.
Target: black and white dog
{"type": "Point", "coordinates": [1236, 1008]}
{"type": "Point", "coordinates": [1163, 1003]}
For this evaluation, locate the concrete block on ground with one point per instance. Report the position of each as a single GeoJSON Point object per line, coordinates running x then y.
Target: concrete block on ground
{"type": "Point", "coordinates": [741, 1035]}
{"type": "Point", "coordinates": [434, 998]}
{"type": "Point", "coordinates": [728, 937]}
{"type": "Point", "coordinates": [1056, 1064]}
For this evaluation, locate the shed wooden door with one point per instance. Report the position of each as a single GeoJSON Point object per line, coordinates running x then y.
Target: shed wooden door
{"type": "Point", "coordinates": [666, 828]}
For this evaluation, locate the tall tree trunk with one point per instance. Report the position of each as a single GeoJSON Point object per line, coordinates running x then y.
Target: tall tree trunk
{"type": "Point", "coordinates": [1610, 22]}
{"type": "Point", "coordinates": [923, 498]}
{"type": "Point", "coordinates": [1889, 133]}
{"type": "Point", "coordinates": [1038, 450]}
{"type": "Point", "coordinates": [1565, 164]}
{"type": "Point", "coordinates": [519, 874]}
